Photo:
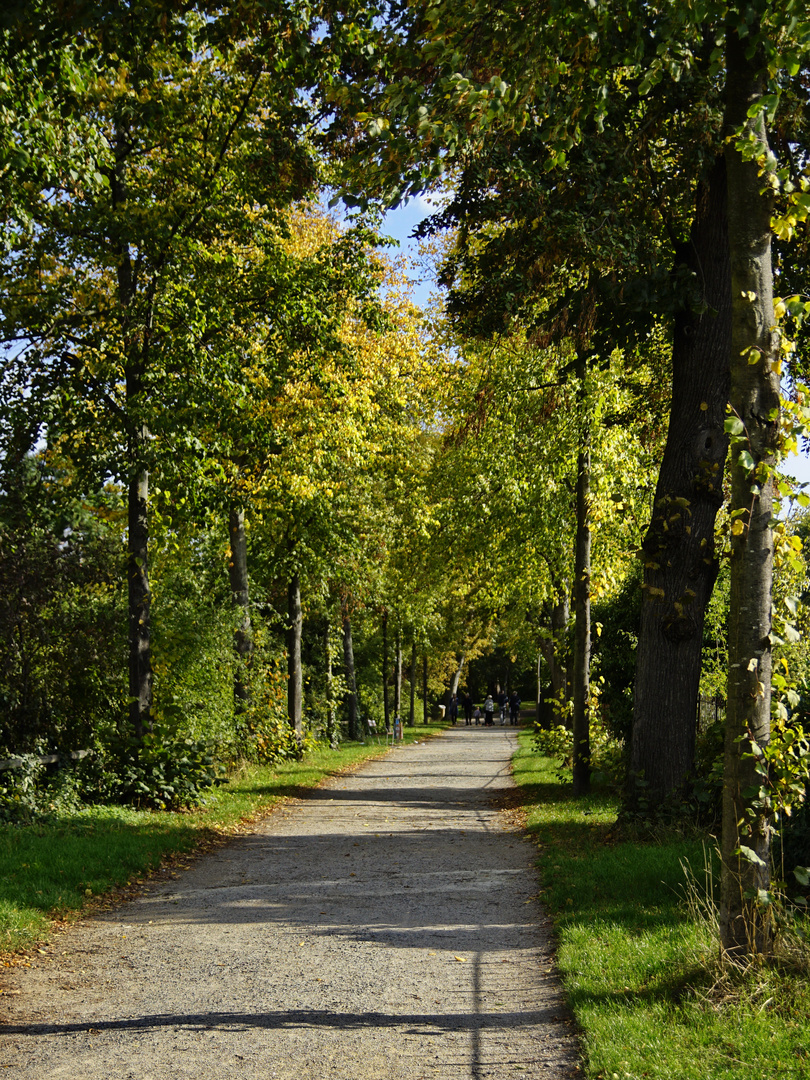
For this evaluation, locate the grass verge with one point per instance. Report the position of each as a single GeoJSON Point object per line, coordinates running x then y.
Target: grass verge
{"type": "Point", "coordinates": [640, 975]}
{"type": "Point", "coordinates": [57, 869]}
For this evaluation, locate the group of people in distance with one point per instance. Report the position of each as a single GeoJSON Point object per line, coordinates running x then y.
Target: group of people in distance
{"type": "Point", "coordinates": [507, 706]}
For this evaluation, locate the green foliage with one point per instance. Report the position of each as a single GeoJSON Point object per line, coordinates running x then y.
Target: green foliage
{"type": "Point", "coordinates": [264, 733]}
{"type": "Point", "coordinates": [192, 650]}
{"type": "Point", "coordinates": [557, 743]}
{"type": "Point", "coordinates": [607, 753]}
{"type": "Point", "coordinates": [161, 771]}
{"type": "Point", "coordinates": [637, 968]}
{"type": "Point", "coordinates": [21, 797]}
{"type": "Point", "coordinates": [617, 617]}
{"type": "Point", "coordinates": [61, 614]}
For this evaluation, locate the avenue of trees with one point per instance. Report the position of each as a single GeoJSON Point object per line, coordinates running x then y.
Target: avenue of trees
{"type": "Point", "coordinates": [251, 495]}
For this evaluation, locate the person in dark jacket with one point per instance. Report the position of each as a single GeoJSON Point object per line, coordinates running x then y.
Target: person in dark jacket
{"type": "Point", "coordinates": [468, 707]}
{"type": "Point", "coordinates": [503, 705]}
{"type": "Point", "coordinates": [453, 710]}
{"type": "Point", "coordinates": [514, 708]}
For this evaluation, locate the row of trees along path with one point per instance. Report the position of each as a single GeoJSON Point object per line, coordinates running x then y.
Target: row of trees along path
{"type": "Point", "coordinates": [385, 926]}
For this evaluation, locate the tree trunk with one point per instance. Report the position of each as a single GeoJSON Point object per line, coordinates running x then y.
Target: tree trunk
{"type": "Point", "coordinates": [679, 561]}
{"type": "Point", "coordinates": [425, 717]}
{"type": "Point", "coordinates": [552, 650]}
{"type": "Point", "coordinates": [348, 663]}
{"type": "Point", "coordinates": [412, 710]}
{"type": "Point", "coordinates": [398, 674]}
{"type": "Point", "coordinates": [457, 676]}
{"type": "Point", "coordinates": [558, 666]}
{"type": "Point", "coordinates": [295, 682]}
{"type": "Point", "coordinates": [240, 594]}
{"type": "Point", "coordinates": [139, 602]}
{"type": "Point", "coordinates": [138, 592]}
{"type": "Point", "coordinates": [540, 712]}
{"type": "Point", "coordinates": [755, 401]}
{"type": "Point", "coordinates": [582, 607]}
{"type": "Point", "coordinates": [331, 715]}
{"type": "Point", "coordinates": [386, 710]}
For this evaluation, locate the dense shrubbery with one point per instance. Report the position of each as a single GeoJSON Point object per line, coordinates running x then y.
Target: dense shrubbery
{"type": "Point", "coordinates": [614, 654]}
{"type": "Point", "coordinates": [63, 647]}
{"type": "Point", "coordinates": [607, 752]}
{"type": "Point", "coordinates": [62, 620]}
{"type": "Point", "coordinates": [160, 771]}
{"type": "Point", "coordinates": [63, 670]}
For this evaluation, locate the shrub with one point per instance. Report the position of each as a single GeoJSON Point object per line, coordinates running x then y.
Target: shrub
{"type": "Point", "coordinates": [157, 772]}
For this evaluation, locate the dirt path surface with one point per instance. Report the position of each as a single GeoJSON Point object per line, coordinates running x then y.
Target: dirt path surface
{"type": "Point", "coordinates": [386, 926]}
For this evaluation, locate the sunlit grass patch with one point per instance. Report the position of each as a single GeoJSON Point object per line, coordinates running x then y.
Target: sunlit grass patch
{"type": "Point", "coordinates": [637, 968]}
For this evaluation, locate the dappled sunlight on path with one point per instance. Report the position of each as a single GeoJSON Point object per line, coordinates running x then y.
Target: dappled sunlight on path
{"type": "Point", "coordinates": [386, 925]}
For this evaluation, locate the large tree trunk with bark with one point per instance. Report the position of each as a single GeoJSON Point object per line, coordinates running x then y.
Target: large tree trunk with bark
{"type": "Point", "coordinates": [745, 845]}
{"type": "Point", "coordinates": [678, 550]}
{"type": "Point", "coordinates": [582, 605]}
{"type": "Point", "coordinates": [348, 663]}
{"type": "Point", "coordinates": [295, 681]}
{"type": "Point", "coordinates": [240, 596]}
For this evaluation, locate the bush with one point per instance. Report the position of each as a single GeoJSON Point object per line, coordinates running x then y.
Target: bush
{"type": "Point", "coordinates": [33, 790]}
{"type": "Point", "coordinates": [20, 797]}
{"type": "Point", "coordinates": [157, 772]}
{"type": "Point", "coordinates": [607, 753]}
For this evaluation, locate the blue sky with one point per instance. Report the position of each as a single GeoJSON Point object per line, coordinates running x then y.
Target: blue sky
{"type": "Point", "coordinates": [399, 224]}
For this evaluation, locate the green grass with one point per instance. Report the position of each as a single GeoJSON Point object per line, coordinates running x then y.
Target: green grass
{"type": "Point", "coordinates": [57, 868]}
{"type": "Point", "coordinates": [639, 974]}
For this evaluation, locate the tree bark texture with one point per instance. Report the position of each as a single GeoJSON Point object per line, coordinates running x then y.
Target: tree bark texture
{"type": "Point", "coordinates": [240, 595]}
{"type": "Point", "coordinates": [295, 682]}
{"type": "Point", "coordinates": [680, 567]}
{"type": "Point", "coordinates": [457, 675]}
{"type": "Point", "coordinates": [552, 650]}
{"type": "Point", "coordinates": [541, 704]}
{"type": "Point", "coordinates": [138, 592]}
{"type": "Point", "coordinates": [348, 663]}
{"type": "Point", "coordinates": [582, 608]}
{"type": "Point", "coordinates": [755, 400]}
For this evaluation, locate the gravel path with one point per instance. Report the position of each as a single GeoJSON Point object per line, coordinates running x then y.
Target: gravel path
{"type": "Point", "coordinates": [386, 926]}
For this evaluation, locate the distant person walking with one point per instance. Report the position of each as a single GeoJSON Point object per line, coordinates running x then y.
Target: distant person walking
{"type": "Point", "coordinates": [489, 711]}
{"type": "Point", "coordinates": [453, 710]}
{"type": "Point", "coordinates": [514, 708]}
{"type": "Point", "coordinates": [468, 708]}
{"type": "Point", "coordinates": [503, 705]}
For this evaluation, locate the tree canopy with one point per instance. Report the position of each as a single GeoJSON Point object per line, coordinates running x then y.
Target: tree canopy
{"type": "Point", "coordinates": [231, 443]}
